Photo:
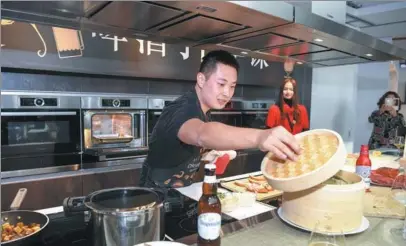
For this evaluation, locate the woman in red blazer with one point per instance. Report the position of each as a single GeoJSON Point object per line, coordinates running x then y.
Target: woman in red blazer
{"type": "Point", "coordinates": [287, 112]}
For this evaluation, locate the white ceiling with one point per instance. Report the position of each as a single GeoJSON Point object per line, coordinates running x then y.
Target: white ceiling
{"type": "Point", "coordinates": [378, 18]}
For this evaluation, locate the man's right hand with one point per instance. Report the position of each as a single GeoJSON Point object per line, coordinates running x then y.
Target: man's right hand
{"type": "Point", "coordinates": [280, 142]}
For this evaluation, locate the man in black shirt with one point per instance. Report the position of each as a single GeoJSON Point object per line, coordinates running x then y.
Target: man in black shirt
{"type": "Point", "coordinates": [184, 128]}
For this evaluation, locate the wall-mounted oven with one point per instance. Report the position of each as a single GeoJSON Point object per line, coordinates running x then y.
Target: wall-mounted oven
{"type": "Point", "coordinates": [231, 114]}
{"type": "Point", "coordinates": [40, 133]}
{"type": "Point", "coordinates": [155, 107]}
{"type": "Point", "coordinates": [254, 114]}
{"type": "Point", "coordinates": [114, 128]}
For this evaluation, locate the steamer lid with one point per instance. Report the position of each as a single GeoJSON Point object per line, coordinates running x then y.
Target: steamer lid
{"type": "Point", "coordinates": [323, 155]}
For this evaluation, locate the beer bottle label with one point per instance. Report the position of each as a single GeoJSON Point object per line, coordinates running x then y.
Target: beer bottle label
{"type": "Point", "coordinates": [364, 172]}
{"type": "Point", "coordinates": [209, 225]}
{"type": "Point", "coordinates": [210, 179]}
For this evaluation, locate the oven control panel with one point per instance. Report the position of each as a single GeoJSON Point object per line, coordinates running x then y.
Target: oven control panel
{"type": "Point", "coordinates": [116, 103]}
{"type": "Point", "coordinates": [159, 103]}
{"type": "Point", "coordinates": [259, 105]}
{"type": "Point", "coordinates": [38, 102]}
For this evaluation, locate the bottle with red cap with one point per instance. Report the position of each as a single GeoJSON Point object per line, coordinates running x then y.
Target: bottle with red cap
{"type": "Point", "coordinates": [363, 165]}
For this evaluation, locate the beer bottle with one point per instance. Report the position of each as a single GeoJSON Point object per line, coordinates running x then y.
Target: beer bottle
{"type": "Point", "coordinates": [363, 166]}
{"type": "Point", "coordinates": [209, 210]}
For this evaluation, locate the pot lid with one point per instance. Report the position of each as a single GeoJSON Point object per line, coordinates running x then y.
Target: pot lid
{"type": "Point", "coordinates": [323, 155]}
{"type": "Point", "coordinates": [122, 200]}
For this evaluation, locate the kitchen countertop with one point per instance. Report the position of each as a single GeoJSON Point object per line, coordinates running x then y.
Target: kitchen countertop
{"type": "Point", "coordinates": [276, 233]}
{"type": "Point", "coordinates": [268, 229]}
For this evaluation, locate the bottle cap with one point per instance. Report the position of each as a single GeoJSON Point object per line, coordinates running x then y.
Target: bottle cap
{"type": "Point", "coordinates": [210, 166]}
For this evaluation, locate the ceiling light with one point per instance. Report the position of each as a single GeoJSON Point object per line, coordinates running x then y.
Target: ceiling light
{"type": "Point", "coordinates": [318, 40]}
{"type": "Point", "coordinates": [369, 55]}
{"type": "Point", "coordinates": [244, 52]}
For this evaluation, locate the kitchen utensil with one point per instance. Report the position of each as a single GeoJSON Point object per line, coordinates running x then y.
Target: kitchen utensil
{"type": "Point", "coordinates": [27, 217]}
{"type": "Point", "coordinates": [379, 203]}
{"type": "Point", "coordinates": [323, 155]}
{"type": "Point", "coordinates": [122, 216]}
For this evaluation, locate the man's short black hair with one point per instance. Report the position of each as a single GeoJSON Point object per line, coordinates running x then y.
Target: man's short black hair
{"type": "Point", "coordinates": [211, 59]}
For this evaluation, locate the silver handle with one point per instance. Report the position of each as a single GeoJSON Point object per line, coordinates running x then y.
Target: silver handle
{"type": "Point", "coordinates": [124, 157]}
{"type": "Point", "coordinates": [157, 113]}
{"type": "Point", "coordinates": [226, 113]}
{"type": "Point", "coordinates": [256, 112]}
{"type": "Point", "coordinates": [38, 113]}
{"type": "Point", "coordinates": [143, 130]}
{"type": "Point", "coordinates": [18, 199]}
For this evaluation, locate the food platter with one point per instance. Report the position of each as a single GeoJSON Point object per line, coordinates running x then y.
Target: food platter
{"type": "Point", "coordinates": [364, 225]}
{"type": "Point", "coordinates": [255, 184]}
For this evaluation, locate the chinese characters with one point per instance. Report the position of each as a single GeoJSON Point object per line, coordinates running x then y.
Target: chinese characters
{"type": "Point", "coordinates": [152, 47]}
{"type": "Point", "coordinates": [108, 37]}
{"type": "Point", "coordinates": [262, 63]}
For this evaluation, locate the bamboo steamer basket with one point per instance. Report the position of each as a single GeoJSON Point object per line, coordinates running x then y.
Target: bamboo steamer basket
{"type": "Point", "coordinates": [308, 201]}
{"type": "Point", "coordinates": [314, 177]}
{"type": "Point", "coordinates": [336, 207]}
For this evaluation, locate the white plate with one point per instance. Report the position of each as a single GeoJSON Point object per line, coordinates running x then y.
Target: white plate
{"type": "Point", "coordinates": [161, 243]}
{"type": "Point", "coordinates": [363, 227]}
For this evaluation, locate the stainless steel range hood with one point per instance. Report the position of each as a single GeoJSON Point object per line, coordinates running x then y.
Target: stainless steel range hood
{"type": "Point", "coordinates": [271, 30]}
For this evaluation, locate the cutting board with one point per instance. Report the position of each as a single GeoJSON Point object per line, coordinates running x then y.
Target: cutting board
{"type": "Point", "coordinates": [379, 203]}
{"type": "Point", "coordinates": [230, 185]}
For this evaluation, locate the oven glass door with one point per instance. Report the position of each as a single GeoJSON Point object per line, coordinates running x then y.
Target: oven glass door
{"type": "Point", "coordinates": [254, 119]}
{"type": "Point", "coordinates": [229, 118]}
{"type": "Point", "coordinates": [39, 133]}
{"type": "Point", "coordinates": [116, 129]}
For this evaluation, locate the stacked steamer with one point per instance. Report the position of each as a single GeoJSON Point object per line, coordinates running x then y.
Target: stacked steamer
{"type": "Point", "coordinates": [315, 190]}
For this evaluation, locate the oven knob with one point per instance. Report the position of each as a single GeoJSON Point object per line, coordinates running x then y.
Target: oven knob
{"type": "Point", "coordinates": [39, 102]}
{"type": "Point", "coordinates": [116, 103]}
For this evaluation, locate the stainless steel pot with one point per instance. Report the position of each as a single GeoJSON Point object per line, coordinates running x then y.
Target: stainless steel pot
{"type": "Point", "coordinates": [123, 216]}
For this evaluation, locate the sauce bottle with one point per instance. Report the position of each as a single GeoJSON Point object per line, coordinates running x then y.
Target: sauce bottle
{"type": "Point", "coordinates": [363, 166]}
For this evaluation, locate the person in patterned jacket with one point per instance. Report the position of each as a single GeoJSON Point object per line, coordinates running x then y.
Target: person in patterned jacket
{"type": "Point", "coordinates": [387, 121]}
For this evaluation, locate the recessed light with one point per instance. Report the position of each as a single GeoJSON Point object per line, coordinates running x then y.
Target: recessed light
{"type": "Point", "coordinates": [369, 55]}
{"type": "Point", "coordinates": [244, 52]}
{"type": "Point", "coordinates": [300, 63]}
{"type": "Point", "coordinates": [318, 40]}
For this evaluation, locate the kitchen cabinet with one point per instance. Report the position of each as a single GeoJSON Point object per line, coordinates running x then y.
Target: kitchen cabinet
{"type": "Point", "coordinates": [111, 179]}
{"type": "Point", "coordinates": [42, 193]}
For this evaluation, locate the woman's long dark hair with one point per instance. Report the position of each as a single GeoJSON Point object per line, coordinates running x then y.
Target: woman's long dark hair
{"type": "Point", "coordinates": [295, 100]}
{"type": "Point", "coordinates": [381, 100]}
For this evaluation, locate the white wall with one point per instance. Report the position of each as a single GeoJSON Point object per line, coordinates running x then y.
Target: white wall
{"type": "Point", "coordinates": [333, 100]}
{"type": "Point", "coordinates": [344, 96]}
{"type": "Point", "coordinates": [373, 79]}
